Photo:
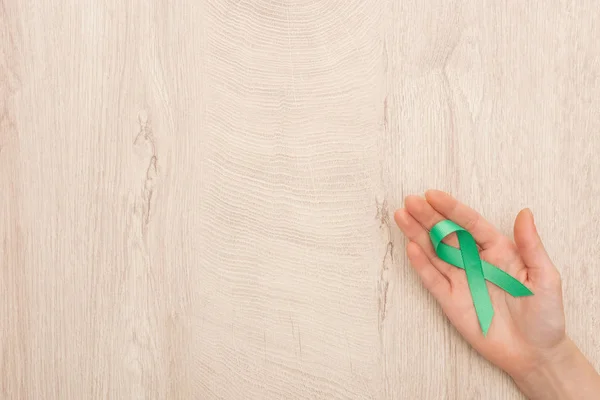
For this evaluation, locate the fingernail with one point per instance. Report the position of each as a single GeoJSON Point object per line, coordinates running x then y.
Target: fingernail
{"type": "Point", "coordinates": [402, 216]}
{"type": "Point", "coordinates": [531, 213]}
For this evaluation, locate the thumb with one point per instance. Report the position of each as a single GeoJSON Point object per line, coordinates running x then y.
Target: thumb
{"type": "Point", "coordinates": [531, 248]}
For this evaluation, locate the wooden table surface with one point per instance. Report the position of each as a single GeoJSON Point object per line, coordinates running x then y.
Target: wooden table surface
{"type": "Point", "coordinates": [196, 197]}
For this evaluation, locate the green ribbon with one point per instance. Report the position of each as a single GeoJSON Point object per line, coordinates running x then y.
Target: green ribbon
{"type": "Point", "coordinates": [477, 270]}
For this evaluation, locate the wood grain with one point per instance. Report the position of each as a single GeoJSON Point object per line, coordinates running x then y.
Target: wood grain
{"type": "Point", "coordinates": [196, 197]}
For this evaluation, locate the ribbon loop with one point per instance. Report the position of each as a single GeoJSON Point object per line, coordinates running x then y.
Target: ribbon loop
{"type": "Point", "coordinates": [478, 271]}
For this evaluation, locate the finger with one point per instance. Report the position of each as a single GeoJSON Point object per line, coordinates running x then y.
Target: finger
{"type": "Point", "coordinates": [534, 255]}
{"type": "Point", "coordinates": [432, 279]}
{"type": "Point", "coordinates": [484, 233]}
{"type": "Point", "coordinates": [415, 232]}
{"type": "Point", "coordinates": [426, 215]}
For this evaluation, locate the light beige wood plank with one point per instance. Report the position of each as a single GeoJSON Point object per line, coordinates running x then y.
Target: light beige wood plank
{"type": "Point", "coordinates": [495, 105]}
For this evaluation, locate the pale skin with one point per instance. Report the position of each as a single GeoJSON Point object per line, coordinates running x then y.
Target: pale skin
{"type": "Point", "coordinates": [527, 338]}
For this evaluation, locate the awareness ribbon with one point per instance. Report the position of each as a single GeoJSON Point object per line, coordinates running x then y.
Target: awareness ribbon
{"type": "Point", "coordinates": [477, 271]}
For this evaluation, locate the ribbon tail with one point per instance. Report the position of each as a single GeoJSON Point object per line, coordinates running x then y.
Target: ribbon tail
{"type": "Point", "coordinates": [504, 280]}
{"type": "Point", "coordinates": [476, 280]}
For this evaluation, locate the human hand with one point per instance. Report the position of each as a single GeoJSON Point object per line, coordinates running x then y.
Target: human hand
{"type": "Point", "coordinates": [527, 336]}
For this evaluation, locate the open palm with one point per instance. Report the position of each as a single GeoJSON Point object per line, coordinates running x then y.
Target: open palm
{"type": "Point", "coordinates": [525, 330]}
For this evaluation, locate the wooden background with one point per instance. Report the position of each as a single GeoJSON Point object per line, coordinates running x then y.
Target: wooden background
{"type": "Point", "coordinates": [196, 197]}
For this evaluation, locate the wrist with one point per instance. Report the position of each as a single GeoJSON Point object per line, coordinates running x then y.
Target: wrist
{"type": "Point", "coordinates": [560, 373]}
{"type": "Point", "coordinates": [547, 363]}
